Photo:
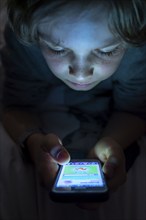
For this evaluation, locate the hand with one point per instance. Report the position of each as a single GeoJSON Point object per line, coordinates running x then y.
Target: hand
{"type": "Point", "coordinates": [111, 154]}
{"type": "Point", "coordinates": [47, 152]}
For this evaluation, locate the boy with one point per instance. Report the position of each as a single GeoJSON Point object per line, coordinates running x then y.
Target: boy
{"type": "Point", "coordinates": [78, 88]}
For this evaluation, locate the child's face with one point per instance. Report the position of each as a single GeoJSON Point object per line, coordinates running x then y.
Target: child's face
{"type": "Point", "coordinates": [81, 53]}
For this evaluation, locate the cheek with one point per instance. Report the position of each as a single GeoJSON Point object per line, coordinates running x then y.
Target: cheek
{"type": "Point", "coordinates": [57, 65]}
{"type": "Point", "coordinates": [107, 68]}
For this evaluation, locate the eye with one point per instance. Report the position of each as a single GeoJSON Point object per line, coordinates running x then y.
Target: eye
{"type": "Point", "coordinates": [57, 52]}
{"type": "Point", "coordinates": [108, 54]}
{"type": "Point", "coordinates": [52, 51]}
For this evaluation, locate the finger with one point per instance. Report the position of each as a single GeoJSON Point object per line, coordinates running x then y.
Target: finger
{"type": "Point", "coordinates": [60, 154]}
{"type": "Point", "coordinates": [116, 173]}
{"type": "Point", "coordinates": [110, 166]}
{"type": "Point", "coordinates": [54, 147]}
{"type": "Point", "coordinates": [106, 148]}
{"type": "Point", "coordinates": [99, 152]}
{"type": "Point", "coordinates": [47, 173]}
{"type": "Point", "coordinates": [118, 180]}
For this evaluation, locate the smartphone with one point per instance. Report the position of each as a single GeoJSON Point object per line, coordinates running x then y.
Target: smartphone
{"type": "Point", "coordinates": [80, 181]}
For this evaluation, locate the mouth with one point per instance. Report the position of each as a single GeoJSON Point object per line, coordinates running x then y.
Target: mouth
{"type": "Point", "coordinates": [81, 85]}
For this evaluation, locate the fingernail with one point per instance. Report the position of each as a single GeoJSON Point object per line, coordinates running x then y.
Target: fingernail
{"type": "Point", "coordinates": [62, 156]}
{"type": "Point", "coordinates": [55, 151]}
{"type": "Point", "coordinates": [59, 153]}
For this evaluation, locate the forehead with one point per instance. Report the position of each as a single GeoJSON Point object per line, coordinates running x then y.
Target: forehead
{"type": "Point", "coordinates": [76, 29]}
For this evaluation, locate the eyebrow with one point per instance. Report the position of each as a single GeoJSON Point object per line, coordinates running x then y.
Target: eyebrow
{"type": "Point", "coordinates": [110, 42]}
{"type": "Point", "coordinates": [47, 39]}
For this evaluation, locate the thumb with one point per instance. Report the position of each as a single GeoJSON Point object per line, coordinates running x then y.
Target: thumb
{"type": "Point", "coordinates": [110, 166]}
{"type": "Point", "coordinates": [60, 154]}
{"type": "Point", "coordinates": [57, 151]}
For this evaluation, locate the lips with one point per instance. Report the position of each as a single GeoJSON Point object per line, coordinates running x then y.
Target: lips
{"type": "Point", "coordinates": [80, 84]}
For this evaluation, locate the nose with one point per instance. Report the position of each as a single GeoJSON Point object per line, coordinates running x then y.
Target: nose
{"type": "Point", "coordinates": [81, 72]}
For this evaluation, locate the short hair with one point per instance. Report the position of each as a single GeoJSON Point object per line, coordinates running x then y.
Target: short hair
{"type": "Point", "coordinates": [127, 19]}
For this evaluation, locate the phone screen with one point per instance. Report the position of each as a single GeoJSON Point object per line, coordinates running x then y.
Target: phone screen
{"type": "Point", "coordinates": [81, 174]}
{"type": "Point", "coordinates": [80, 181]}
